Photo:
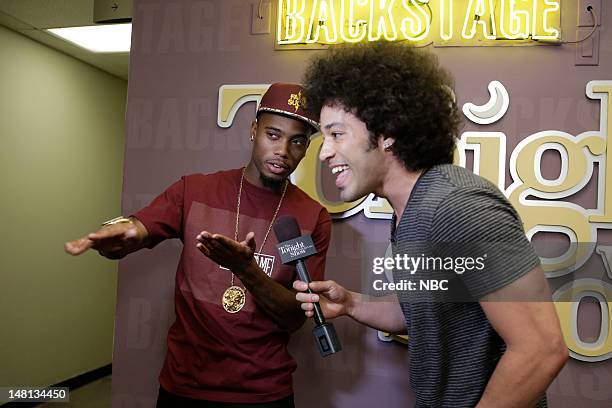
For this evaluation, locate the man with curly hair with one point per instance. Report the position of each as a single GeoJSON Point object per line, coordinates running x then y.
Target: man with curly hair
{"type": "Point", "coordinates": [389, 122]}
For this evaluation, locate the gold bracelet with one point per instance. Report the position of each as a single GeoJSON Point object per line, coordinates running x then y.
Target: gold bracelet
{"type": "Point", "coordinates": [117, 220]}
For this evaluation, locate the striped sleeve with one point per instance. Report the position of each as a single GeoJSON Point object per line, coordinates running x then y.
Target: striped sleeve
{"type": "Point", "coordinates": [478, 222]}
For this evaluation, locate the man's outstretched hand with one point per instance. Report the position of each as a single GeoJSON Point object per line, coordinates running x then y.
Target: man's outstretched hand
{"type": "Point", "coordinates": [233, 255]}
{"type": "Point", "coordinates": [112, 241]}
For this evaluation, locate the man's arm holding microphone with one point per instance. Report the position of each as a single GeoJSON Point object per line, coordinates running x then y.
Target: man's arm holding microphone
{"type": "Point", "coordinates": [382, 313]}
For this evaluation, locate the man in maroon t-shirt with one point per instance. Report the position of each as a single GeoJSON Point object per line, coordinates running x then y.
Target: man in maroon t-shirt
{"type": "Point", "coordinates": [235, 308]}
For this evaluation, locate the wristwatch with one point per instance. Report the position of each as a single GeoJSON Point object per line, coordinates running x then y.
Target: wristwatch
{"type": "Point", "coordinates": [117, 220]}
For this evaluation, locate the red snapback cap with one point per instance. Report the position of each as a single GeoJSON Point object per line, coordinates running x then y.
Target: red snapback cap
{"type": "Point", "coordinates": [287, 99]}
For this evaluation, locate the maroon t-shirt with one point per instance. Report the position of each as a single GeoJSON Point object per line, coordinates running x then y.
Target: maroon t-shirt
{"type": "Point", "coordinates": [212, 354]}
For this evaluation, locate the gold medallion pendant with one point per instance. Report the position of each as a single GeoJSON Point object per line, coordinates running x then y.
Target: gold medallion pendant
{"type": "Point", "coordinates": [233, 299]}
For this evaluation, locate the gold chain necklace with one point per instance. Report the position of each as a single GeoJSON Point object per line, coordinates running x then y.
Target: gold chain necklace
{"type": "Point", "coordinates": [234, 297]}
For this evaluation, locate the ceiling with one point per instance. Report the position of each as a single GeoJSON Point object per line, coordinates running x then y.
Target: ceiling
{"type": "Point", "coordinates": [31, 17]}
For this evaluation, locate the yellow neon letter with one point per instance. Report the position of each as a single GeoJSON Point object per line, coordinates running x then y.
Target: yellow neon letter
{"type": "Point", "coordinates": [446, 17]}
{"type": "Point", "coordinates": [322, 19]}
{"type": "Point", "coordinates": [352, 29]}
{"type": "Point", "coordinates": [381, 21]}
{"type": "Point", "coordinates": [479, 12]}
{"type": "Point", "coordinates": [419, 24]}
{"type": "Point", "coordinates": [513, 22]}
{"type": "Point", "coordinates": [291, 19]}
{"type": "Point", "coordinates": [541, 21]}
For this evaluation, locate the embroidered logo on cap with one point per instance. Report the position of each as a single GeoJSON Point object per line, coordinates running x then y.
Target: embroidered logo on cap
{"type": "Point", "coordinates": [295, 100]}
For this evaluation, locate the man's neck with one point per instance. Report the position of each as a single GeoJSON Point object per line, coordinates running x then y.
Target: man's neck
{"type": "Point", "coordinates": [253, 176]}
{"type": "Point", "coordinates": [398, 185]}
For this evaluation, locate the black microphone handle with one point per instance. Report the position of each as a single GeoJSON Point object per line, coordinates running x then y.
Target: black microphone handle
{"type": "Point", "coordinates": [304, 277]}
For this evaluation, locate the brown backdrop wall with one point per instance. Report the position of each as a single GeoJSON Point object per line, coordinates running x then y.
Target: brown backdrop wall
{"type": "Point", "coordinates": [182, 52]}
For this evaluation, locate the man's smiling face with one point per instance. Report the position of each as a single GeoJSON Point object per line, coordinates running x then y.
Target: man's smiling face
{"type": "Point", "coordinates": [359, 167]}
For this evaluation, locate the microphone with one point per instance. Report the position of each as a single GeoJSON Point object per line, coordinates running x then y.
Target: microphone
{"type": "Point", "coordinates": [293, 248]}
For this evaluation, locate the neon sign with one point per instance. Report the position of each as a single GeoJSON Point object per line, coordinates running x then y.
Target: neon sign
{"type": "Point", "coordinates": [451, 22]}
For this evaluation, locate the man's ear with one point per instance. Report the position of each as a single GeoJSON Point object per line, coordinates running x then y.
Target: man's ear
{"type": "Point", "coordinates": [253, 129]}
{"type": "Point", "coordinates": [387, 143]}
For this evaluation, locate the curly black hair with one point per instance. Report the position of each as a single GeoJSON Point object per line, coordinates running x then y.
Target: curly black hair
{"type": "Point", "coordinates": [397, 90]}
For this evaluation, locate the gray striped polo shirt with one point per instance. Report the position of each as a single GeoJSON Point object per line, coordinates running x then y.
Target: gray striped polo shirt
{"type": "Point", "coordinates": [453, 347]}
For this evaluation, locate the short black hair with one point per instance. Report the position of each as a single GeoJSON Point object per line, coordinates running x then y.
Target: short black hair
{"type": "Point", "coordinates": [397, 90]}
